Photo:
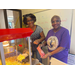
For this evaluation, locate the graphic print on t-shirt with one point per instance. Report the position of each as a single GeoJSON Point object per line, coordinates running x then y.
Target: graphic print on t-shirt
{"type": "Point", "coordinates": [52, 42]}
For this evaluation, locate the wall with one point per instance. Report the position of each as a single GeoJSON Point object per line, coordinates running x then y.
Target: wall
{"type": "Point", "coordinates": [73, 34]}
{"type": "Point", "coordinates": [2, 22]}
{"type": "Point", "coordinates": [26, 11]}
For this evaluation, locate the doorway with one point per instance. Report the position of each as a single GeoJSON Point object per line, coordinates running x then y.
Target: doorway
{"type": "Point", "coordinates": [13, 18]}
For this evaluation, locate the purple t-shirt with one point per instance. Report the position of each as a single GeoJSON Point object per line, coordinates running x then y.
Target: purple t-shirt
{"type": "Point", "coordinates": [59, 39]}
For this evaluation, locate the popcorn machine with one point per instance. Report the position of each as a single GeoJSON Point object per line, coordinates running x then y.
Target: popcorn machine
{"type": "Point", "coordinates": [15, 48]}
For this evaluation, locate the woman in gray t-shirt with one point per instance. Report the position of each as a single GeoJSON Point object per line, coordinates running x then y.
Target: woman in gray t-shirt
{"type": "Point", "coordinates": [37, 36]}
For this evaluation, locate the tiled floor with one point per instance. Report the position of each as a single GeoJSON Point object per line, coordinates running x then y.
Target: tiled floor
{"type": "Point", "coordinates": [71, 59]}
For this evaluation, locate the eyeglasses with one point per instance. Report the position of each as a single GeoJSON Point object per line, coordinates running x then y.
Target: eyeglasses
{"type": "Point", "coordinates": [30, 20]}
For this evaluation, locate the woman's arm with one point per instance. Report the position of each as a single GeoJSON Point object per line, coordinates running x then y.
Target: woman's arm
{"type": "Point", "coordinates": [41, 39]}
{"type": "Point", "coordinates": [57, 50]}
{"type": "Point", "coordinates": [53, 52]}
{"type": "Point", "coordinates": [42, 36]}
{"type": "Point", "coordinates": [43, 44]}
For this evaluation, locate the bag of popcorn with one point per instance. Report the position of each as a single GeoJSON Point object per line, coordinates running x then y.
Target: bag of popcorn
{"type": "Point", "coordinates": [40, 51]}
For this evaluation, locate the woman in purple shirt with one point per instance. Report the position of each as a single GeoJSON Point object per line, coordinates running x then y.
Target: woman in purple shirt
{"type": "Point", "coordinates": [57, 40]}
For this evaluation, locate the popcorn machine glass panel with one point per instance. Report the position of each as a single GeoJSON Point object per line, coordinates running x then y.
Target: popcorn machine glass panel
{"type": "Point", "coordinates": [17, 52]}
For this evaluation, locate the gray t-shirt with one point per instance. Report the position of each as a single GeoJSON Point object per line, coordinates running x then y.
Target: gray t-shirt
{"type": "Point", "coordinates": [35, 35]}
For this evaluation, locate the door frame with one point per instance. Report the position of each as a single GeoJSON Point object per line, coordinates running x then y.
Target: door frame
{"type": "Point", "coordinates": [6, 20]}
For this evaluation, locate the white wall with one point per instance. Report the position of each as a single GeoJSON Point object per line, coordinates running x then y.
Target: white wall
{"type": "Point", "coordinates": [72, 49]}
{"type": "Point", "coordinates": [26, 11]}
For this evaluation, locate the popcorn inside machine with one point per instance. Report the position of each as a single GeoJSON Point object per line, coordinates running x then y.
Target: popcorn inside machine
{"type": "Point", "coordinates": [15, 47]}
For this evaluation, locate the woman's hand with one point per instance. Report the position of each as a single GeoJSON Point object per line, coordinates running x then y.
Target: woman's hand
{"type": "Point", "coordinates": [41, 39]}
{"type": "Point", "coordinates": [40, 45]}
{"type": "Point", "coordinates": [36, 42]}
{"type": "Point", "coordinates": [46, 55]}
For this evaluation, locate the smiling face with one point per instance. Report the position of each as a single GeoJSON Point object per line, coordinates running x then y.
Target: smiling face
{"type": "Point", "coordinates": [56, 22]}
{"type": "Point", "coordinates": [30, 22]}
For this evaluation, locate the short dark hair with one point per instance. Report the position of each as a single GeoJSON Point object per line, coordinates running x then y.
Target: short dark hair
{"type": "Point", "coordinates": [55, 16]}
{"type": "Point", "coordinates": [28, 15]}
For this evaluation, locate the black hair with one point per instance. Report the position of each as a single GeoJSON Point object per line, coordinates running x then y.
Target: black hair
{"type": "Point", "coordinates": [28, 15]}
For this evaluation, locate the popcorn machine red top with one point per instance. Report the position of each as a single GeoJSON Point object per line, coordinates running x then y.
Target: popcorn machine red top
{"type": "Point", "coordinates": [11, 34]}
